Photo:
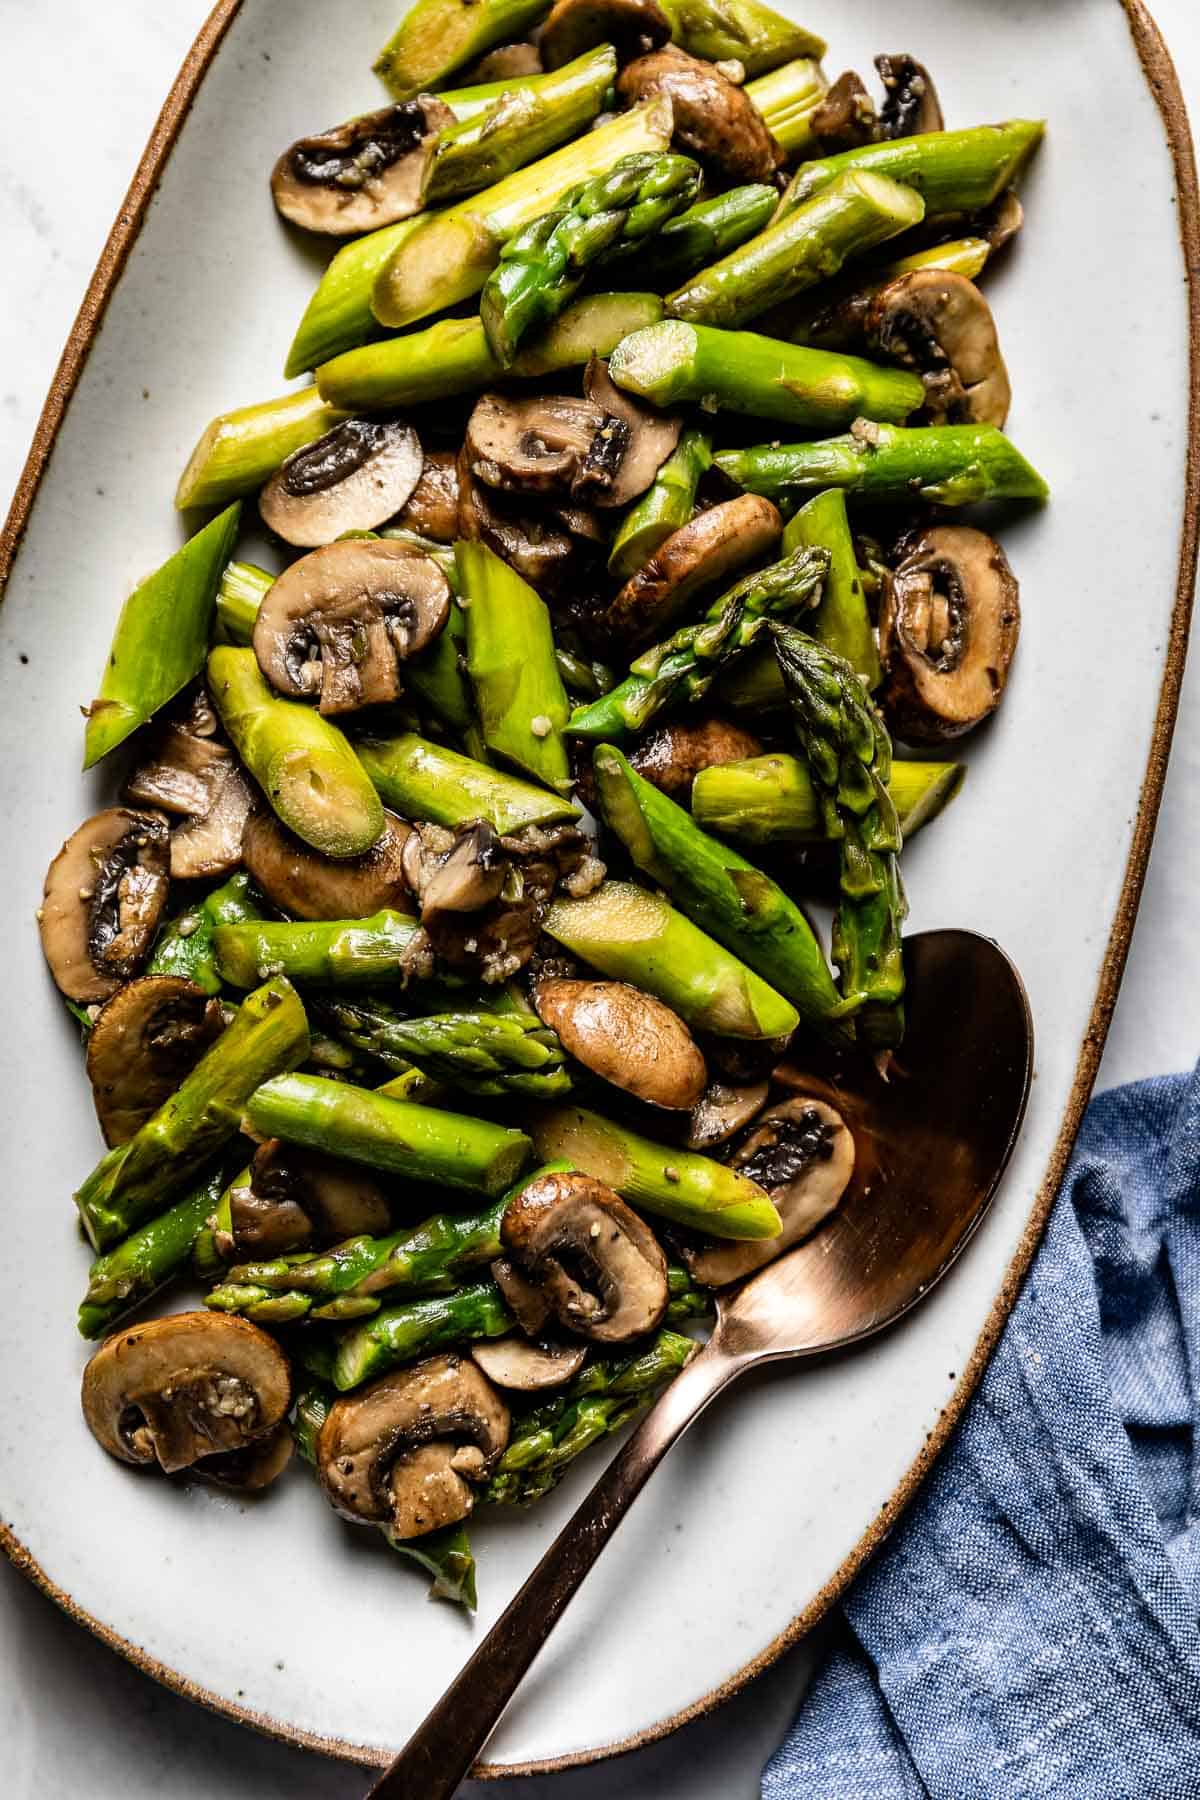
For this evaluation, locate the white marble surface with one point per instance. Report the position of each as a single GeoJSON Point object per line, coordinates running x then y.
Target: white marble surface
{"type": "Point", "coordinates": [83, 85]}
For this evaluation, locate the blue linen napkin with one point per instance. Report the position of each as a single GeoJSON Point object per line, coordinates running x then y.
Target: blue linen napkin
{"type": "Point", "coordinates": [1031, 1627]}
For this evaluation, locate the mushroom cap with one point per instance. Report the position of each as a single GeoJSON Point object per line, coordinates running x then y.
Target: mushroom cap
{"type": "Point", "coordinates": [911, 103]}
{"type": "Point", "coordinates": [296, 1197]}
{"type": "Point", "coordinates": [513, 1362]}
{"type": "Point", "coordinates": [502, 64]}
{"type": "Point", "coordinates": [643, 436]}
{"type": "Point", "coordinates": [431, 510]}
{"type": "Point", "coordinates": [671, 756]}
{"type": "Point", "coordinates": [632, 27]}
{"type": "Point", "coordinates": [723, 1110]}
{"type": "Point", "coordinates": [212, 844]}
{"type": "Point", "coordinates": [845, 119]}
{"type": "Point", "coordinates": [714, 119]}
{"type": "Point", "coordinates": [193, 1385]}
{"type": "Point", "coordinates": [104, 895]}
{"type": "Point", "coordinates": [366, 173]}
{"type": "Point", "coordinates": [352, 479]}
{"type": "Point", "coordinates": [183, 772]}
{"type": "Point", "coordinates": [697, 556]}
{"type": "Point", "coordinates": [940, 324]}
{"type": "Point", "coordinates": [604, 449]}
{"type": "Point", "coordinates": [525, 1300]}
{"type": "Point", "coordinates": [305, 884]}
{"type": "Point", "coordinates": [249, 1470]}
{"type": "Point", "coordinates": [536, 547]}
{"type": "Point", "coordinates": [566, 1230]}
{"type": "Point", "coordinates": [145, 1040]}
{"type": "Point", "coordinates": [405, 1451]}
{"type": "Point", "coordinates": [626, 1037]}
{"type": "Point", "coordinates": [948, 630]}
{"type": "Point", "coordinates": [342, 619]}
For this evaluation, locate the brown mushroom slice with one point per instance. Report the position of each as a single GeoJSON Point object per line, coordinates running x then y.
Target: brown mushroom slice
{"type": "Point", "coordinates": [408, 1450]}
{"type": "Point", "coordinates": [1000, 222]}
{"type": "Point", "coordinates": [699, 555]}
{"type": "Point", "coordinates": [455, 872]}
{"type": "Point", "coordinates": [626, 1037]}
{"type": "Point", "coordinates": [151, 1033]}
{"type": "Point", "coordinates": [104, 895]}
{"type": "Point", "coordinates": [846, 117]}
{"type": "Point", "coordinates": [939, 323]}
{"type": "Point", "coordinates": [296, 1198]}
{"type": "Point", "coordinates": [802, 1153]}
{"type": "Point", "coordinates": [250, 1470]}
{"type": "Point", "coordinates": [533, 445]}
{"type": "Point", "coordinates": [911, 103]}
{"type": "Point", "coordinates": [366, 173]}
{"type": "Point", "coordinates": [501, 64]}
{"type": "Point", "coordinates": [672, 755]}
{"type": "Point", "coordinates": [352, 479]}
{"type": "Point", "coordinates": [431, 510]}
{"type": "Point", "coordinates": [526, 1368]}
{"type": "Point", "coordinates": [341, 621]}
{"type": "Point", "coordinates": [714, 119]}
{"type": "Point", "coordinates": [723, 1110]}
{"type": "Point", "coordinates": [173, 1391]}
{"type": "Point", "coordinates": [631, 446]}
{"type": "Point", "coordinates": [632, 27]}
{"type": "Point", "coordinates": [183, 772]}
{"type": "Point", "coordinates": [537, 548]}
{"type": "Point", "coordinates": [212, 845]}
{"type": "Point", "coordinates": [948, 631]}
{"type": "Point", "coordinates": [305, 884]}
{"type": "Point", "coordinates": [598, 1264]}
{"type": "Point", "coordinates": [525, 1300]}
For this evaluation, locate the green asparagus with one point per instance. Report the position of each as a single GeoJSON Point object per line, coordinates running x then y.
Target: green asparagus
{"type": "Point", "coordinates": [841, 620]}
{"type": "Point", "coordinates": [400, 1334]}
{"type": "Point", "coordinates": [240, 450]}
{"type": "Point", "coordinates": [525, 122]}
{"type": "Point", "coordinates": [744, 31]}
{"type": "Point", "coordinates": [482, 1053]}
{"type": "Point", "coordinates": [945, 465]}
{"type": "Point", "coordinates": [339, 317]}
{"type": "Point", "coordinates": [147, 1259]}
{"type": "Point", "coordinates": [435, 37]}
{"type": "Point", "coordinates": [519, 695]}
{"type": "Point", "coordinates": [787, 98]}
{"type": "Point", "coordinates": [953, 171]}
{"type": "Point", "coordinates": [186, 946]}
{"type": "Point", "coordinates": [335, 952]}
{"type": "Point", "coordinates": [771, 800]}
{"type": "Point", "coordinates": [243, 589]}
{"type": "Point", "coordinates": [422, 780]}
{"type": "Point", "coordinates": [665, 506]}
{"type": "Point", "coordinates": [707, 230]}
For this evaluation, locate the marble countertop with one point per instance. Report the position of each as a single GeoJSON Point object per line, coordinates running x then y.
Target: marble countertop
{"type": "Point", "coordinates": [74, 1718]}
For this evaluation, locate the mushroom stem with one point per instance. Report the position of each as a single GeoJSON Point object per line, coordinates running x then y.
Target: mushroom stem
{"type": "Point", "coordinates": [483, 1053]}
{"type": "Point", "coordinates": [841, 620]}
{"type": "Point", "coordinates": [664, 508]}
{"type": "Point", "coordinates": [423, 780]}
{"type": "Point", "coordinates": [400, 1334]}
{"type": "Point", "coordinates": [186, 945]}
{"type": "Point", "coordinates": [954, 171]}
{"type": "Point", "coordinates": [435, 37]}
{"type": "Point", "coordinates": [519, 695]}
{"type": "Point", "coordinates": [147, 1259]}
{"type": "Point", "coordinates": [521, 125]}
{"type": "Point", "coordinates": [744, 31]}
{"type": "Point", "coordinates": [946, 465]}
{"type": "Point", "coordinates": [337, 952]}
{"type": "Point", "coordinates": [240, 450]}
{"type": "Point", "coordinates": [771, 800]}
{"type": "Point", "coordinates": [787, 98]}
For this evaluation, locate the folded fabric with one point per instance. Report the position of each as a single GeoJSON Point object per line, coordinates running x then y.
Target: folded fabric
{"type": "Point", "coordinates": [1031, 1627]}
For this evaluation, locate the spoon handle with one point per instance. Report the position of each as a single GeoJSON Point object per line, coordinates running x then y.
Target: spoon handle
{"type": "Point", "coordinates": [441, 1751]}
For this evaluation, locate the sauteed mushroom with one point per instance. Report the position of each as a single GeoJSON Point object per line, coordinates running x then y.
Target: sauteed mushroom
{"type": "Point", "coordinates": [697, 556]}
{"type": "Point", "coordinates": [525, 1300]}
{"type": "Point", "coordinates": [369, 172]}
{"type": "Point", "coordinates": [297, 1197]}
{"type": "Point", "coordinates": [723, 1111]}
{"type": "Point", "coordinates": [352, 479]}
{"type": "Point", "coordinates": [455, 873]}
{"type": "Point", "coordinates": [189, 773]}
{"type": "Point", "coordinates": [632, 445]}
{"type": "Point", "coordinates": [846, 116]}
{"type": "Point", "coordinates": [714, 119]}
{"type": "Point", "coordinates": [176, 1391]}
{"type": "Point", "coordinates": [250, 1470]}
{"type": "Point", "coordinates": [513, 1362]}
{"type": "Point", "coordinates": [104, 896]}
{"type": "Point", "coordinates": [431, 509]}
{"type": "Point", "coordinates": [671, 756]}
{"type": "Point", "coordinates": [626, 1037]}
{"type": "Point", "coordinates": [501, 64]}
{"type": "Point", "coordinates": [911, 103]}
{"type": "Point", "coordinates": [948, 630]}
{"type": "Point", "coordinates": [604, 449]}
{"type": "Point", "coordinates": [535, 547]}
{"type": "Point", "coordinates": [302, 882]}
{"type": "Point", "coordinates": [340, 622]}
{"type": "Point", "coordinates": [632, 27]}
{"type": "Point", "coordinates": [408, 1450]}
{"type": "Point", "coordinates": [145, 1040]}
{"type": "Point", "coordinates": [940, 324]}
{"type": "Point", "coordinates": [597, 1263]}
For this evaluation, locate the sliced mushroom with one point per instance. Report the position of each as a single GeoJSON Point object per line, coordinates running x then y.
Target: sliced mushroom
{"type": "Point", "coordinates": [296, 1198]}
{"type": "Point", "coordinates": [697, 556]}
{"type": "Point", "coordinates": [1000, 222]}
{"type": "Point", "coordinates": [714, 119]}
{"type": "Point", "coordinates": [174, 1391]}
{"type": "Point", "coordinates": [513, 1362]}
{"type": "Point", "coordinates": [671, 756]}
{"type": "Point", "coordinates": [188, 772]}
{"type": "Point", "coordinates": [940, 324]}
{"type": "Point", "coordinates": [846, 118]}
{"type": "Point", "coordinates": [250, 1470]}
{"type": "Point", "coordinates": [723, 1111]}
{"type": "Point", "coordinates": [633, 443]}
{"type": "Point", "coordinates": [501, 64]}
{"type": "Point", "coordinates": [526, 1301]}
{"type": "Point", "coordinates": [340, 622]}
{"type": "Point", "coordinates": [598, 1264]}
{"type": "Point", "coordinates": [104, 895]}
{"type": "Point", "coordinates": [369, 172]}
{"type": "Point", "coordinates": [151, 1033]}
{"type": "Point", "coordinates": [605, 449]}
{"type": "Point", "coordinates": [948, 630]}
{"type": "Point", "coordinates": [632, 27]}
{"type": "Point", "coordinates": [408, 1450]}
{"type": "Point", "coordinates": [431, 509]}
{"type": "Point", "coordinates": [302, 882]}
{"type": "Point", "coordinates": [910, 103]}
{"type": "Point", "coordinates": [212, 845]}
{"type": "Point", "coordinates": [802, 1153]}
{"type": "Point", "coordinates": [183, 772]}
{"type": "Point", "coordinates": [352, 479]}
{"type": "Point", "coordinates": [455, 872]}
{"type": "Point", "coordinates": [537, 548]}
{"type": "Point", "coordinates": [626, 1037]}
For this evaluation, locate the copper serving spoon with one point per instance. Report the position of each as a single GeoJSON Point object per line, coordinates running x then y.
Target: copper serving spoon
{"type": "Point", "coordinates": [932, 1144]}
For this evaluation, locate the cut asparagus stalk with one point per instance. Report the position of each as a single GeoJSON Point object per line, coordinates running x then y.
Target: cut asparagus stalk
{"type": "Point", "coordinates": [672, 1184]}
{"type": "Point", "coordinates": [849, 216]}
{"type": "Point", "coordinates": [309, 774]}
{"type": "Point", "coordinates": [946, 465]}
{"type": "Point", "coordinates": [841, 620]}
{"type": "Point", "coordinates": [242, 591]}
{"type": "Point", "coordinates": [744, 31]}
{"type": "Point", "coordinates": [401, 1333]}
{"type": "Point", "coordinates": [953, 171]}
{"type": "Point", "coordinates": [422, 1143]}
{"type": "Point", "coordinates": [339, 316]}
{"type": "Point", "coordinates": [435, 37]}
{"type": "Point", "coordinates": [635, 936]}
{"type": "Point", "coordinates": [240, 450]}
{"type": "Point", "coordinates": [332, 952]}
{"type": "Point", "coordinates": [422, 780]}
{"type": "Point", "coordinates": [677, 364]}
{"type": "Point", "coordinates": [147, 1259]}
{"type": "Point", "coordinates": [666, 505]}
{"type": "Point", "coordinates": [186, 946]}
{"type": "Point", "coordinates": [480, 1052]}
{"type": "Point", "coordinates": [452, 253]}
{"type": "Point", "coordinates": [161, 638]}
{"type": "Point", "coordinates": [138, 1180]}
{"type": "Point", "coordinates": [770, 800]}
{"type": "Point", "coordinates": [721, 892]}
{"type": "Point", "coordinates": [525, 122]}
{"type": "Point", "coordinates": [519, 695]}
{"type": "Point", "coordinates": [698, 236]}
{"type": "Point", "coordinates": [787, 98]}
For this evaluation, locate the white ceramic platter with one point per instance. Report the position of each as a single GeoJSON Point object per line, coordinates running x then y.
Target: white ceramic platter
{"type": "Point", "coordinates": [274, 1611]}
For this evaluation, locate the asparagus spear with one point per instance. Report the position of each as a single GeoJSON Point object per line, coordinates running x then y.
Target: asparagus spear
{"type": "Point", "coordinates": [401, 1333]}
{"type": "Point", "coordinates": [435, 37]}
{"type": "Point", "coordinates": [635, 936]}
{"type": "Point", "coordinates": [481, 1052]}
{"type": "Point", "coordinates": [519, 694]}
{"type": "Point", "coordinates": [665, 506]}
{"type": "Point", "coordinates": [687, 1301]}
{"type": "Point", "coordinates": [338, 317]}
{"type": "Point", "coordinates": [452, 253]}
{"type": "Point", "coordinates": [695, 237]}
{"type": "Point", "coordinates": [337, 952]}
{"type": "Point", "coordinates": [242, 589]}
{"type": "Point", "coordinates": [849, 757]}
{"type": "Point", "coordinates": [946, 465]}
{"type": "Point", "coordinates": [841, 620]}
{"type": "Point", "coordinates": [542, 266]}
{"type": "Point", "coordinates": [771, 800]}
{"type": "Point", "coordinates": [744, 31]}
{"type": "Point", "coordinates": [308, 772]}
{"type": "Point", "coordinates": [147, 1259]}
{"type": "Point", "coordinates": [186, 945]}
{"type": "Point", "coordinates": [852, 214]}
{"type": "Point", "coordinates": [676, 364]}
{"type": "Point", "coordinates": [719, 890]}
{"type": "Point", "coordinates": [523, 123]}
{"type": "Point", "coordinates": [139, 1179]}
{"type": "Point", "coordinates": [240, 450]}
{"type": "Point", "coordinates": [787, 98]}
{"type": "Point", "coordinates": [685, 666]}
{"type": "Point", "coordinates": [953, 171]}
{"type": "Point", "coordinates": [422, 780]}
{"type": "Point", "coordinates": [422, 1143]}
{"type": "Point", "coordinates": [161, 638]}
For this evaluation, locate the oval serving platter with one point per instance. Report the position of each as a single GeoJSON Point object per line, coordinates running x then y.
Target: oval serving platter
{"type": "Point", "coordinates": [273, 1612]}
